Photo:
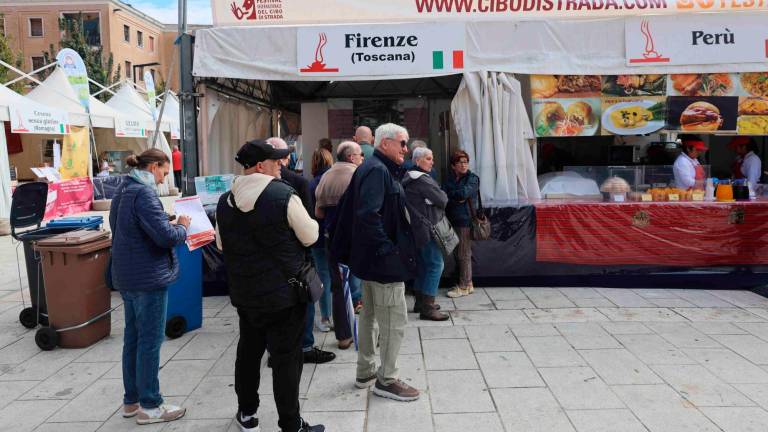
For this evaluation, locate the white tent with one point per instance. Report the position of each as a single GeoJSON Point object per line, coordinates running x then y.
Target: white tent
{"type": "Point", "coordinates": [127, 100]}
{"type": "Point", "coordinates": [56, 92]}
{"type": "Point", "coordinates": [171, 113]}
{"type": "Point", "coordinates": [553, 46]}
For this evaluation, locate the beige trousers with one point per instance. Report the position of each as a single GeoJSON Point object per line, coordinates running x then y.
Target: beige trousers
{"type": "Point", "coordinates": [383, 304]}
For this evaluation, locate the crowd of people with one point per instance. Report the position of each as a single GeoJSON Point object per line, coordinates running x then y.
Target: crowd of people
{"type": "Point", "coordinates": [367, 219]}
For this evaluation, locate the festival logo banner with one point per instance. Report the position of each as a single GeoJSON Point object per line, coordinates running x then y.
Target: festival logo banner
{"type": "Point", "coordinates": [312, 12]}
{"type": "Point", "coordinates": [72, 64]}
{"type": "Point", "coordinates": [149, 82]}
{"type": "Point", "coordinates": [75, 154]}
{"type": "Point", "coordinates": [378, 50]}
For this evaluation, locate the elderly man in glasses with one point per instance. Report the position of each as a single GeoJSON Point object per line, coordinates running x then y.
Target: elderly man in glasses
{"type": "Point", "coordinates": [380, 250]}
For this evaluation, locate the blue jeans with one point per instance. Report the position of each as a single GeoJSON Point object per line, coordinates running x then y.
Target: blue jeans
{"type": "Point", "coordinates": [355, 288]}
{"type": "Point", "coordinates": [321, 265]}
{"type": "Point", "coordinates": [144, 333]}
{"type": "Point", "coordinates": [430, 268]}
{"type": "Point", "coordinates": [309, 337]}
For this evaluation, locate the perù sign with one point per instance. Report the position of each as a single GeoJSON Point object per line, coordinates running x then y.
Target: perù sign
{"type": "Point", "coordinates": [128, 128]}
{"type": "Point", "coordinates": [38, 120]}
{"type": "Point", "coordinates": [696, 40]}
{"type": "Point", "coordinates": [403, 49]}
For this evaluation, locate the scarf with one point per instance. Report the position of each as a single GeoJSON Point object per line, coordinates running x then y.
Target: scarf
{"type": "Point", "coordinates": [144, 177]}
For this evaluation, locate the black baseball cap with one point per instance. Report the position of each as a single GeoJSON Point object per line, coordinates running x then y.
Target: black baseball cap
{"type": "Point", "coordinates": [258, 150]}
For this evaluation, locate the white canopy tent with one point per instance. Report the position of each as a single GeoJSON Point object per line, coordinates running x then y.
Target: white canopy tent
{"type": "Point", "coordinates": [56, 92]}
{"type": "Point", "coordinates": [558, 46]}
{"type": "Point", "coordinates": [127, 100]}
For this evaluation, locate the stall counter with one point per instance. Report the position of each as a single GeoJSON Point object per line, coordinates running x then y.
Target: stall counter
{"type": "Point", "coordinates": [688, 234]}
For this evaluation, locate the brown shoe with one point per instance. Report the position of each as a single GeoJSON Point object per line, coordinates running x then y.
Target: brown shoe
{"type": "Point", "coordinates": [364, 383]}
{"type": "Point", "coordinates": [346, 343]}
{"type": "Point", "coordinates": [398, 391]}
{"type": "Point", "coordinates": [161, 414]}
{"type": "Point", "coordinates": [130, 410]}
{"type": "Point", "coordinates": [429, 312]}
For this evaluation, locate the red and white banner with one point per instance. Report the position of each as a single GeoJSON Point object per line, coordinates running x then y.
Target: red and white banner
{"type": "Point", "coordinates": [294, 12]}
{"type": "Point", "coordinates": [402, 49]}
{"type": "Point", "coordinates": [69, 197]}
{"type": "Point", "coordinates": [696, 40]}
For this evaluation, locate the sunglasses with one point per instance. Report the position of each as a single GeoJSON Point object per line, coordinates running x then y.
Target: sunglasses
{"type": "Point", "coordinates": [403, 143]}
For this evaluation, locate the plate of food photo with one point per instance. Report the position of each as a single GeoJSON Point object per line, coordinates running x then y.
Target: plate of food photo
{"type": "Point", "coordinates": [634, 118]}
{"type": "Point", "coordinates": [565, 118]}
{"type": "Point", "coordinates": [754, 83]}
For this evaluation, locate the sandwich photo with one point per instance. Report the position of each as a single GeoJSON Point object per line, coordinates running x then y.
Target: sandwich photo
{"type": "Point", "coordinates": [580, 113]}
{"type": "Point", "coordinates": [701, 116]}
{"type": "Point", "coordinates": [550, 114]}
{"type": "Point", "coordinates": [716, 84]}
{"type": "Point", "coordinates": [543, 86]}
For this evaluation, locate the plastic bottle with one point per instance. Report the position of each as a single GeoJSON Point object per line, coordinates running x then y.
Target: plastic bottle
{"type": "Point", "coordinates": [709, 193]}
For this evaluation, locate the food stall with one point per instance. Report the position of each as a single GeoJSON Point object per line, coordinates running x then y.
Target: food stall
{"type": "Point", "coordinates": [598, 88]}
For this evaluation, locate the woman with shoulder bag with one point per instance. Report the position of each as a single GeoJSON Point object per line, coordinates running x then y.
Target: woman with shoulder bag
{"type": "Point", "coordinates": [426, 205]}
{"type": "Point", "coordinates": [462, 187]}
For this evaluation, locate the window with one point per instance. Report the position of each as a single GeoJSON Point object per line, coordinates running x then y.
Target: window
{"type": "Point", "coordinates": [128, 70]}
{"type": "Point", "coordinates": [151, 44]}
{"type": "Point", "coordinates": [140, 39]}
{"type": "Point", "coordinates": [37, 62]}
{"type": "Point", "coordinates": [36, 27]}
{"type": "Point", "coordinates": [141, 73]}
{"type": "Point", "coordinates": [90, 22]}
{"type": "Point", "coordinates": [126, 33]}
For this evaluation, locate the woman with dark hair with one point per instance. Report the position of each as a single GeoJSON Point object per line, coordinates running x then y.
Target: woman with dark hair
{"type": "Point", "coordinates": [462, 187]}
{"type": "Point", "coordinates": [321, 162]}
{"type": "Point", "coordinates": [143, 265]}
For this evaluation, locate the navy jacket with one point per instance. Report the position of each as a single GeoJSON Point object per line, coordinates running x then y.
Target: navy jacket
{"type": "Point", "coordinates": [459, 191]}
{"type": "Point", "coordinates": [143, 241]}
{"type": "Point", "coordinates": [381, 246]}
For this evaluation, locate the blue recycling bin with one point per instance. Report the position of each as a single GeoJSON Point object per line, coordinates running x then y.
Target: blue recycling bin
{"type": "Point", "coordinates": [185, 296]}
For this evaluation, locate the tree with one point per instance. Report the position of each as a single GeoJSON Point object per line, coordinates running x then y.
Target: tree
{"type": "Point", "coordinates": [98, 65]}
{"type": "Point", "coordinates": [13, 58]}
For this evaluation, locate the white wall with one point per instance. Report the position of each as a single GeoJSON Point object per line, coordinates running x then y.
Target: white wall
{"type": "Point", "coordinates": [314, 126]}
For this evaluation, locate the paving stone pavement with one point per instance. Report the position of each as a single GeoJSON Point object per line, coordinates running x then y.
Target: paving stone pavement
{"type": "Point", "coordinates": [510, 359]}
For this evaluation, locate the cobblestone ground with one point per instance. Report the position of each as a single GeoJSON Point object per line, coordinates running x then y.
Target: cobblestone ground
{"type": "Point", "coordinates": [510, 359]}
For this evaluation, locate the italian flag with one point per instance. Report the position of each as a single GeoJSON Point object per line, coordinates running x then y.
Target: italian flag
{"type": "Point", "coordinates": [438, 59]}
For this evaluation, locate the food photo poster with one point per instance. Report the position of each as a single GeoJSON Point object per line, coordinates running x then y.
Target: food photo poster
{"type": "Point", "coordinates": [586, 105]}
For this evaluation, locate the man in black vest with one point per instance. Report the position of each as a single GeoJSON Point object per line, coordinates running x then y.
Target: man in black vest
{"type": "Point", "coordinates": [263, 230]}
{"type": "Point", "coordinates": [312, 354]}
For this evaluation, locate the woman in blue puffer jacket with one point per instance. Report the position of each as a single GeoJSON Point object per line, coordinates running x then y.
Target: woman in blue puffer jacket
{"type": "Point", "coordinates": [143, 265]}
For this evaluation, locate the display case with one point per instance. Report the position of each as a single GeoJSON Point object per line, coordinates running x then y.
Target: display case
{"type": "Point", "coordinates": [618, 184]}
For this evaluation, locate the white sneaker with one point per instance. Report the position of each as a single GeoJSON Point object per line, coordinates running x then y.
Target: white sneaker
{"type": "Point", "coordinates": [161, 414]}
{"type": "Point", "coordinates": [324, 325]}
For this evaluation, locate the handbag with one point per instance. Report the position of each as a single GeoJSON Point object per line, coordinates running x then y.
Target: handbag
{"type": "Point", "coordinates": [308, 281]}
{"type": "Point", "coordinates": [444, 236]}
{"type": "Point", "coordinates": [481, 226]}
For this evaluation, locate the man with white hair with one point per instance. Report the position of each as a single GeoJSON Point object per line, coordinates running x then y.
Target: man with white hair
{"type": "Point", "coordinates": [332, 186]}
{"type": "Point", "coordinates": [363, 136]}
{"type": "Point", "coordinates": [378, 245]}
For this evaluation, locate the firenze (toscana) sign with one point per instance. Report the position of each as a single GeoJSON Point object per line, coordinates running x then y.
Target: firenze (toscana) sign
{"type": "Point", "coordinates": [403, 49]}
{"type": "Point", "coordinates": [303, 12]}
{"type": "Point", "coordinates": [696, 40]}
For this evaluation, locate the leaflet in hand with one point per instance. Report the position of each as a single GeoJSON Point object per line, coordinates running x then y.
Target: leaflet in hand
{"type": "Point", "coordinates": [200, 231]}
